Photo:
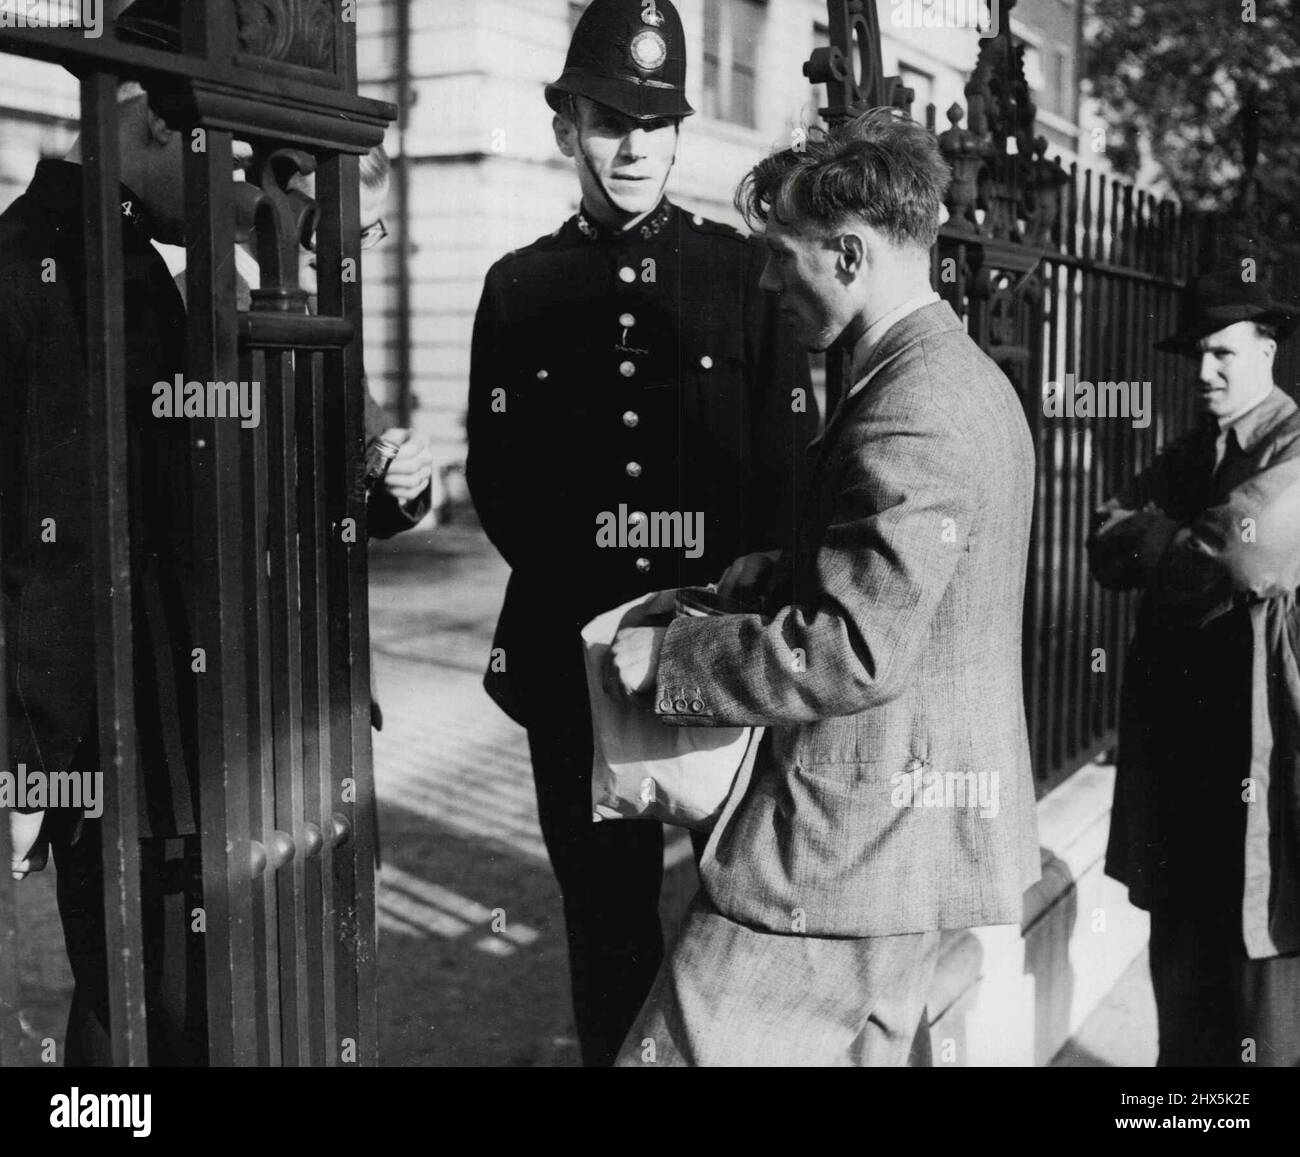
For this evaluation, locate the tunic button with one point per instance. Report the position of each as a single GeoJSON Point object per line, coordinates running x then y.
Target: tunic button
{"type": "Point", "coordinates": [627, 274]}
{"type": "Point", "coordinates": [698, 219]}
{"type": "Point", "coordinates": [626, 320]}
{"type": "Point", "coordinates": [627, 369]}
{"type": "Point", "coordinates": [643, 565]}
{"type": "Point", "coordinates": [706, 362]}
{"type": "Point", "coordinates": [631, 418]}
{"type": "Point", "coordinates": [542, 375]}
{"type": "Point", "coordinates": [636, 518]}
{"type": "Point", "coordinates": [634, 469]}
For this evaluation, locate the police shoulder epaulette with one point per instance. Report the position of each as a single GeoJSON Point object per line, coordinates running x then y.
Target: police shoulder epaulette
{"type": "Point", "coordinates": [717, 228]}
{"type": "Point", "coordinates": [540, 243]}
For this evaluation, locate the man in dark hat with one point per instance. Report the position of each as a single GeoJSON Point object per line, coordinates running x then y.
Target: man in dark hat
{"type": "Point", "coordinates": [628, 362]}
{"type": "Point", "coordinates": [1206, 825]}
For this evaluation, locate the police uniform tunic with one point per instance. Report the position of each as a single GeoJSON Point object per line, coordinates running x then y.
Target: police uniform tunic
{"type": "Point", "coordinates": [615, 377]}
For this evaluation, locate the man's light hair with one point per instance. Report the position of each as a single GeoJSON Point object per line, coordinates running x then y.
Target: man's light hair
{"type": "Point", "coordinates": [881, 168]}
{"type": "Point", "coordinates": [129, 90]}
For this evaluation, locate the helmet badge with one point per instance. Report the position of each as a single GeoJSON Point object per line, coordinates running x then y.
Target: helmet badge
{"type": "Point", "coordinates": [649, 51]}
{"type": "Point", "coordinates": [650, 14]}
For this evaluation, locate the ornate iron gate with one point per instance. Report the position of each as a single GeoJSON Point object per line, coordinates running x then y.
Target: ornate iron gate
{"type": "Point", "coordinates": [1056, 272]}
{"type": "Point", "coordinates": [283, 721]}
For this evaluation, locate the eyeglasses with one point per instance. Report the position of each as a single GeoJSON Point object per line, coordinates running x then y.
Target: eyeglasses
{"type": "Point", "coordinates": [371, 235]}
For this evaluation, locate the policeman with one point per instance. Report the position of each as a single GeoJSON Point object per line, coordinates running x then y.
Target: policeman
{"type": "Point", "coordinates": [627, 365]}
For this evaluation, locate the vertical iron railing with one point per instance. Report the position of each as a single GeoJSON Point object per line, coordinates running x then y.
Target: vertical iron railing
{"type": "Point", "coordinates": [279, 531]}
{"type": "Point", "coordinates": [1055, 272]}
{"type": "Point", "coordinates": [111, 537]}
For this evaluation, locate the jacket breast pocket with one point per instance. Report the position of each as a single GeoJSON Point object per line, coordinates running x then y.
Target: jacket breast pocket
{"type": "Point", "coordinates": [718, 391]}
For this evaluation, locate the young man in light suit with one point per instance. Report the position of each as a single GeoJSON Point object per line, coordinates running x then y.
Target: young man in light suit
{"type": "Point", "coordinates": [892, 796]}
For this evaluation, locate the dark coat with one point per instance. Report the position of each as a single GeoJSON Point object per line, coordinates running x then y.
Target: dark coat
{"type": "Point", "coordinates": [645, 370]}
{"type": "Point", "coordinates": [46, 459]}
{"type": "Point", "coordinates": [1207, 791]}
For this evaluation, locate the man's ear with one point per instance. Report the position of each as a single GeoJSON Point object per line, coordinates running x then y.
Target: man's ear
{"type": "Point", "coordinates": [566, 133]}
{"type": "Point", "coordinates": [850, 254]}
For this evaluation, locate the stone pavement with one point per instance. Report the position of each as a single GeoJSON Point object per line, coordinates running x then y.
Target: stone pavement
{"type": "Point", "coordinates": [458, 818]}
{"type": "Point", "coordinates": [472, 966]}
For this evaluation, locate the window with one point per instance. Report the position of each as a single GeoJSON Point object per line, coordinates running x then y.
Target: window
{"type": "Point", "coordinates": [732, 29]}
{"type": "Point", "coordinates": [1058, 81]}
{"type": "Point", "coordinates": [1047, 71]}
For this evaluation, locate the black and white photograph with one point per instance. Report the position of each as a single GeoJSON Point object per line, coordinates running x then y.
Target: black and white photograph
{"type": "Point", "coordinates": [649, 534]}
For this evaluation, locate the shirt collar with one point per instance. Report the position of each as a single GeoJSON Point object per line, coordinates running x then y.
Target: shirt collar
{"type": "Point", "coordinates": [651, 227]}
{"type": "Point", "coordinates": [868, 342]}
{"type": "Point", "coordinates": [1251, 427]}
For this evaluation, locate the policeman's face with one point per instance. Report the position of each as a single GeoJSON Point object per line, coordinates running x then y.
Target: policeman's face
{"type": "Point", "coordinates": [1236, 369]}
{"type": "Point", "coordinates": [627, 158]}
{"type": "Point", "coordinates": [804, 270]}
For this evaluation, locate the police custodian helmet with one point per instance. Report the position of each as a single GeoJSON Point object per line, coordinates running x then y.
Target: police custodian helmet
{"type": "Point", "coordinates": [629, 55]}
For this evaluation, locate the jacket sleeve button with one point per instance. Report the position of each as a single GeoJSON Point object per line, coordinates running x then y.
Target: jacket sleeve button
{"type": "Point", "coordinates": [627, 274]}
{"type": "Point", "coordinates": [706, 362]}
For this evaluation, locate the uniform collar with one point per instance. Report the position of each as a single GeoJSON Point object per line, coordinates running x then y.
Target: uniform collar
{"type": "Point", "coordinates": [56, 187]}
{"type": "Point", "coordinates": [649, 228]}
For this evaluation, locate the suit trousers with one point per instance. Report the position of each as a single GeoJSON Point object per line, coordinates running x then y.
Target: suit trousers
{"type": "Point", "coordinates": [1214, 1005]}
{"type": "Point", "coordinates": [174, 974]}
{"type": "Point", "coordinates": [609, 875]}
{"type": "Point", "coordinates": [739, 996]}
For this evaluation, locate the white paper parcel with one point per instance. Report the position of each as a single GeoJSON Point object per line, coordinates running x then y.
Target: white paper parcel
{"type": "Point", "coordinates": [645, 769]}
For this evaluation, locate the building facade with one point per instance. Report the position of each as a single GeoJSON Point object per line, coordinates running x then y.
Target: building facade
{"type": "Point", "coordinates": [475, 149]}
{"type": "Point", "coordinates": [477, 170]}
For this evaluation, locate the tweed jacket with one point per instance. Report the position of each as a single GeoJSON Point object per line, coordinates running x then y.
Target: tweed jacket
{"type": "Point", "coordinates": [890, 681]}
